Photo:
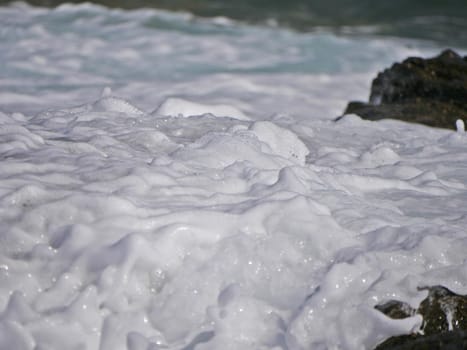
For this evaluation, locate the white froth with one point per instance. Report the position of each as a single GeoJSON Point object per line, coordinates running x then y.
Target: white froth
{"type": "Point", "coordinates": [229, 238]}
{"type": "Point", "coordinates": [184, 108]}
{"type": "Point", "coordinates": [281, 141]}
{"type": "Point", "coordinates": [114, 104]}
{"type": "Point", "coordinates": [238, 215]}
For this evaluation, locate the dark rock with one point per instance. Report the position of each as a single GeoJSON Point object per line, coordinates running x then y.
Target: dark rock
{"type": "Point", "coordinates": [443, 311]}
{"type": "Point", "coordinates": [444, 321]}
{"type": "Point", "coordinates": [396, 309]}
{"type": "Point", "coordinates": [455, 340]}
{"type": "Point", "coordinates": [427, 91]}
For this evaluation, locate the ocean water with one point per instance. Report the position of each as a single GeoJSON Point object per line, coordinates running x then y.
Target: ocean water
{"type": "Point", "coordinates": [444, 21]}
{"type": "Point", "coordinates": [176, 180]}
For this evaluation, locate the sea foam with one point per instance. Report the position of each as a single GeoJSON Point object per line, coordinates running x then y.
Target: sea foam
{"type": "Point", "coordinates": [207, 199]}
{"type": "Point", "coordinates": [230, 237]}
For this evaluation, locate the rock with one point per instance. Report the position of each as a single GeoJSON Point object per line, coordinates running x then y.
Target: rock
{"type": "Point", "coordinates": [396, 309]}
{"type": "Point", "coordinates": [444, 321]}
{"type": "Point", "coordinates": [427, 91]}
{"type": "Point", "coordinates": [443, 311]}
{"type": "Point", "coordinates": [455, 340]}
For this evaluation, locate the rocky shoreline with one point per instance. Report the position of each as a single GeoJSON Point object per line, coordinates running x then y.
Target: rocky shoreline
{"type": "Point", "coordinates": [430, 91]}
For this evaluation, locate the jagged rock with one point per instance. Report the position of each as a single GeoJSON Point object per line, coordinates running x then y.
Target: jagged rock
{"type": "Point", "coordinates": [427, 91]}
{"type": "Point", "coordinates": [396, 309]}
{"type": "Point", "coordinates": [444, 321]}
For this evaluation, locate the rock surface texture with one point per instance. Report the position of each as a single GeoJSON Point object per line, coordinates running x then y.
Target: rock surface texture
{"type": "Point", "coordinates": [426, 91]}
{"type": "Point", "coordinates": [444, 322]}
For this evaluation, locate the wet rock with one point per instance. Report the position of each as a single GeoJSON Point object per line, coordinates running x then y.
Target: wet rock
{"type": "Point", "coordinates": [444, 321]}
{"type": "Point", "coordinates": [396, 309]}
{"type": "Point", "coordinates": [454, 340]}
{"type": "Point", "coordinates": [443, 310]}
{"type": "Point", "coordinates": [427, 91]}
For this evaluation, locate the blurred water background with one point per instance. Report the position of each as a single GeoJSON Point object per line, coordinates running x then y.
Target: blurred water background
{"type": "Point", "coordinates": [444, 21]}
{"type": "Point", "coordinates": [234, 52]}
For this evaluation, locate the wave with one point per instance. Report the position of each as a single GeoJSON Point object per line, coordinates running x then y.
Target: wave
{"type": "Point", "coordinates": [444, 22]}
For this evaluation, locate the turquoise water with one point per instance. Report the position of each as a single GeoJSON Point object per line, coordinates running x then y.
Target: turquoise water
{"type": "Point", "coordinates": [72, 52]}
{"type": "Point", "coordinates": [442, 21]}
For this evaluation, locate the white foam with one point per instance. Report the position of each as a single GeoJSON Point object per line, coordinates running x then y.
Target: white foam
{"type": "Point", "coordinates": [180, 107]}
{"type": "Point", "coordinates": [251, 222]}
{"type": "Point", "coordinates": [115, 104]}
{"type": "Point", "coordinates": [281, 141]}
